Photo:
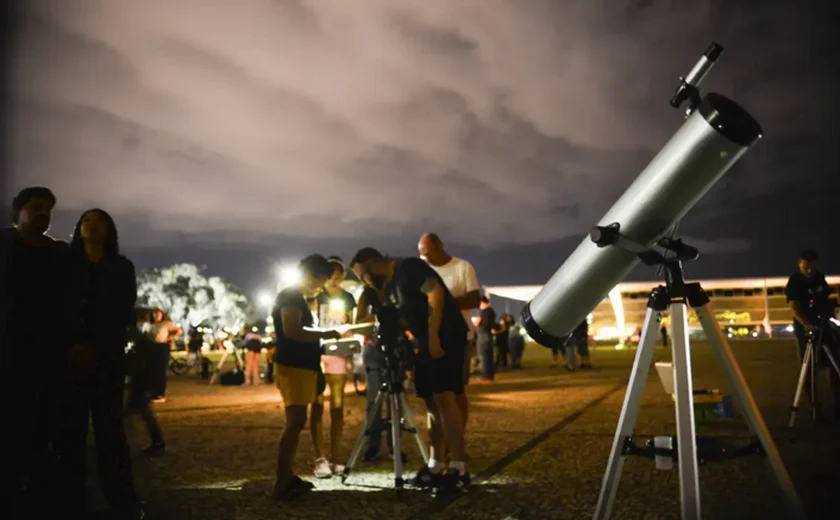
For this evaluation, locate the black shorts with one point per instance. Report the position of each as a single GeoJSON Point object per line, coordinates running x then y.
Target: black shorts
{"type": "Point", "coordinates": [441, 375]}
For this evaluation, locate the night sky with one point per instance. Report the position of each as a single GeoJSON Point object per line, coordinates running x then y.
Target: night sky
{"type": "Point", "coordinates": [239, 134]}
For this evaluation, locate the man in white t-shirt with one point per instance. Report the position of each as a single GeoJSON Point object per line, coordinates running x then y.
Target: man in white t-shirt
{"type": "Point", "coordinates": [461, 280]}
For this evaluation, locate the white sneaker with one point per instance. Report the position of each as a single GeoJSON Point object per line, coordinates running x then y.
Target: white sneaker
{"type": "Point", "coordinates": [337, 469]}
{"type": "Point", "coordinates": [322, 468]}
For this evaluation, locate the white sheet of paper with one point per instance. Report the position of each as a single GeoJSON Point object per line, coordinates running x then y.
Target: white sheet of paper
{"type": "Point", "coordinates": [346, 328]}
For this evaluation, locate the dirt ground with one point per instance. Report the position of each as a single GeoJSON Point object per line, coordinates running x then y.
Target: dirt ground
{"type": "Point", "coordinates": [538, 441]}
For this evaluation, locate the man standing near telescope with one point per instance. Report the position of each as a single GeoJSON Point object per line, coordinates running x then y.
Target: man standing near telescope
{"type": "Point", "coordinates": [433, 317]}
{"type": "Point", "coordinates": [809, 295]}
{"type": "Point", "coordinates": [461, 280]}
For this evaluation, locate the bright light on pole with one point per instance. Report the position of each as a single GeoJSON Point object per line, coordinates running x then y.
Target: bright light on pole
{"type": "Point", "coordinates": [264, 300]}
{"type": "Point", "coordinates": [288, 275]}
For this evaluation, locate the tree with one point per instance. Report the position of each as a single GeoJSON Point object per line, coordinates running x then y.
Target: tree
{"type": "Point", "coordinates": [190, 298]}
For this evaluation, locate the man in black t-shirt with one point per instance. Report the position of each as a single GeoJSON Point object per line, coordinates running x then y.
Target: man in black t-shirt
{"type": "Point", "coordinates": [809, 296]}
{"type": "Point", "coordinates": [297, 360]}
{"type": "Point", "coordinates": [34, 273]}
{"type": "Point", "coordinates": [434, 318]}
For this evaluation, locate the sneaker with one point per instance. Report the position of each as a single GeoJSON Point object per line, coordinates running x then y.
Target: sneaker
{"type": "Point", "coordinates": [159, 399]}
{"type": "Point", "coordinates": [296, 487]}
{"type": "Point", "coordinates": [157, 448]}
{"type": "Point", "coordinates": [299, 483]}
{"type": "Point", "coordinates": [337, 469]}
{"type": "Point", "coordinates": [452, 483]}
{"type": "Point", "coordinates": [425, 479]}
{"type": "Point", "coordinates": [132, 513]}
{"type": "Point", "coordinates": [322, 468]}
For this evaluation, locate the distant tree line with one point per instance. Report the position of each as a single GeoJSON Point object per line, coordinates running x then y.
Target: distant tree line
{"type": "Point", "coordinates": [191, 299]}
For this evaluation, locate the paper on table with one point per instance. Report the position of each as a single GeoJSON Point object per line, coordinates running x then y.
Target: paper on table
{"type": "Point", "coordinates": [346, 328]}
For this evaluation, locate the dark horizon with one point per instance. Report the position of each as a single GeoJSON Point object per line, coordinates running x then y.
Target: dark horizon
{"type": "Point", "coordinates": [252, 266]}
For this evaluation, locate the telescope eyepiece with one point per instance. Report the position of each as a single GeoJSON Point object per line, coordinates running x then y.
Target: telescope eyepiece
{"type": "Point", "coordinates": [714, 52]}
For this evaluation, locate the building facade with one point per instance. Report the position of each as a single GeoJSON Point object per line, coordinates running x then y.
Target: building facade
{"type": "Point", "coordinates": [745, 308]}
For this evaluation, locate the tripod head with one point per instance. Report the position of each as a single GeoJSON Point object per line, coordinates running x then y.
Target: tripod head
{"type": "Point", "coordinates": [688, 89]}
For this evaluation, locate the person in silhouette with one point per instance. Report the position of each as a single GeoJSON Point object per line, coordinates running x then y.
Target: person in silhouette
{"type": "Point", "coordinates": [296, 366]}
{"type": "Point", "coordinates": [35, 270]}
{"type": "Point", "coordinates": [101, 298]}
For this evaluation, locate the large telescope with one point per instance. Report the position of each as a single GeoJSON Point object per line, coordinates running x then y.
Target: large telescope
{"type": "Point", "coordinates": [716, 133]}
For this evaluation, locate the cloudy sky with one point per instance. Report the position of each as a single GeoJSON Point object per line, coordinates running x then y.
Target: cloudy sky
{"type": "Point", "coordinates": [239, 133]}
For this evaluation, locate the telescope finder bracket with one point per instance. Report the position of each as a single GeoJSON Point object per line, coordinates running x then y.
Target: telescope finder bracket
{"type": "Point", "coordinates": [610, 235]}
{"type": "Point", "coordinates": [688, 89]}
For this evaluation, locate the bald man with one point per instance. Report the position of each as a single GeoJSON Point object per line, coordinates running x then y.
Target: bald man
{"type": "Point", "coordinates": [461, 280]}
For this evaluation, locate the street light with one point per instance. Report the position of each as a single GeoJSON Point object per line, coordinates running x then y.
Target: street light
{"type": "Point", "coordinates": [288, 275]}
{"type": "Point", "coordinates": [265, 300]}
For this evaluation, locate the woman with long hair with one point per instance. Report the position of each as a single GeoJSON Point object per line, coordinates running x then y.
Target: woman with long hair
{"type": "Point", "coordinates": [101, 299]}
{"type": "Point", "coordinates": [334, 307]}
{"type": "Point", "coordinates": [297, 365]}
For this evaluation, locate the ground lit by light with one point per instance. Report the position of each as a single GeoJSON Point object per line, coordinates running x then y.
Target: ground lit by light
{"type": "Point", "coordinates": [363, 481]}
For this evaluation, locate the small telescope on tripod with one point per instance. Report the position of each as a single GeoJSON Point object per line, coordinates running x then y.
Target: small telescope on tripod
{"type": "Point", "coordinates": [717, 132]}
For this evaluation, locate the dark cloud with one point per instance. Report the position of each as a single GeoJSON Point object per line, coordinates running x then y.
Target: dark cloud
{"type": "Point", "coordinates": [499, 124]}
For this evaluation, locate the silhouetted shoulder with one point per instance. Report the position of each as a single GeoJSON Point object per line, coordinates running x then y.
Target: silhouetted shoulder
{"type": "Point", "coordinates": [416, 265]}
{"type": "Point", "coordinates": [125, 264]}
{"type": "Point", "coordinates": [60, 247]}
{"type": "Point", "coordinates": [7, 237]}
{"type": "Point", "coordinates": [289, 297]}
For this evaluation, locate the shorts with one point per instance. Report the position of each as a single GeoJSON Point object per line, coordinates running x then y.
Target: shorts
{"type": "Point", "coordinates": [335, 382]}
{"type": "Point", "coordinates": [298, 386]}
{"type": "Point", "coordinates": [441, 375]}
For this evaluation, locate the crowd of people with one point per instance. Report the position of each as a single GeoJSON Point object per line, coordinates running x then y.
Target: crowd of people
{"type": "Point", "coordinates": [86, 291]}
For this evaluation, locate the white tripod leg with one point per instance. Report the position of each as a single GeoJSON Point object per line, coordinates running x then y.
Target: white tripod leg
{"type": "Point", "coordinates": [727, 362]}
{"type": "Point", "coordinates": [800, 386]}
{"type": "Point", "coordinates": [396, 434]}
{"type": "Point", "coordinates": [629, 413]}
{"type": "Point", "coordinates": [831, 358]}
{"type": "Point", "coordinates": [366, 431]}
{"type": "Point", "coordinates": [409, 418]}
{"type": "Point", "coordinates": [219, 367]}
{"type": "Point", "coordinates": [684, 398]}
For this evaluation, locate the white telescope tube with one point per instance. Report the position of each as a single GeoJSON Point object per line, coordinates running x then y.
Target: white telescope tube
{"type": "Point", "coordinates": [710, 141]}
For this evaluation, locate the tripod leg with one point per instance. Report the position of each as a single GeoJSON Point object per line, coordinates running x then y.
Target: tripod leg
{"type": "Point", "coordinates": [815, 403]}
{"type": "Point", "coordinates": [219, 366]}
{"type": "Point", "coordinates": [369, 422]}
{"type": "Point", "coordinates": [409, 418]}
{"type": "Point", "coordinates": [831, 358]}
{"type": "Point", "coordinates": [727, 362]}
{"type": "Point", "coordinates": [800, 386]}
{"type": "Point", "coordinates": [629, 412]}
{"type": "Point", "coordinates": [684, 398]}
{"type": "Point", "coordinates": [396, 432]}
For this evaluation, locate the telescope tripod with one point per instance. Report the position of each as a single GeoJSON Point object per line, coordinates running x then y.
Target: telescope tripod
{"type": "Point", "coordinates": [392, 389]}
{"type": "Point", "coordinates": [677, 296]}
{"type": "Point", "coordinates": [810, 369]}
